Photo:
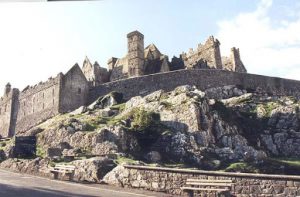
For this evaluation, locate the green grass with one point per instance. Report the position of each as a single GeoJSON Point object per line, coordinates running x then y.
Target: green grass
{"type": "Point", "coordinates": [142, 119]}
{"type": "Point", "coordinates": [269, 107]}
{"type": "Point", "coordinates": [40, 152]}
{"type": "Point", "coordinates": [293, 162]}
{"type": "Point", "coordinates": [4, 144]}
{"type": "Point", "coordinates": [119, 107]}
{"type": "Point", "coordinates": [241, 167]}
{"type": "Point", "coordinates": [127, 160]}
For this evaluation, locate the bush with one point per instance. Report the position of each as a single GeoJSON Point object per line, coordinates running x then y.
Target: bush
{"type": "Point", "coordinates": [142, 119]}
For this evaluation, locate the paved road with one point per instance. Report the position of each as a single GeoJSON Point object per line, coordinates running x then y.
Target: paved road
{"type": "Point", "coordinates": [15, 185]}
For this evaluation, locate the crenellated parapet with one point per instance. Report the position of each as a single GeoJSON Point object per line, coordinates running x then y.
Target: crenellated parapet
{"type": "Point", "coordinates": [140, 71]}
{"type": "Point", "coordinates": [206, 55]}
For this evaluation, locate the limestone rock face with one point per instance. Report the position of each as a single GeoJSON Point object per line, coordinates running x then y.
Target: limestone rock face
{"type": "Point", "coordinates": [92, 170]}
{"type": "Point", "coordinates": [106, 101]}
{"type": "Point", "coordinates": [32, 166]}
{"type": "Point", "coordinates": [116, 176]}
{"type": "Point", "coordinates": [203, 128]}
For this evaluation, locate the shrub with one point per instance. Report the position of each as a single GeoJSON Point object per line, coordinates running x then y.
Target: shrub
{"type": "Point", "coordinates": [142, 119]}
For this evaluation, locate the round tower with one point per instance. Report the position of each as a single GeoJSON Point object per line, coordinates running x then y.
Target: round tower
{"type": "Point", "coordinates": [135, 42]}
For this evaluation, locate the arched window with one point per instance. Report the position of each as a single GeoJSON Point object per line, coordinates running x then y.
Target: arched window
{"type": "Point", "coordinates": [79, 90]}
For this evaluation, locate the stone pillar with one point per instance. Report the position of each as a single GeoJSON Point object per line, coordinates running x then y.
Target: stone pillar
{"type": "Point", "coordinates": [135, 42]}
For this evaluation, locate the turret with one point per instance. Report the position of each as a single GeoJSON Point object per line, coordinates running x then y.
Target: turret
{"type": "Point", "coordinates": [237, 63]}
{"type": "Point", "coordinates": [135, 42]}
{"type": "Point", "coordinates": [7, 89]}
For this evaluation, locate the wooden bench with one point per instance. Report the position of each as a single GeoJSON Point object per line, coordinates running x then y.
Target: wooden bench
{"type": "Point", "coordinates": [64, 170]}
{"type": "Point", "coordinates": [5, 139]}
{"type": "Point", "coordinates": [220, 188]}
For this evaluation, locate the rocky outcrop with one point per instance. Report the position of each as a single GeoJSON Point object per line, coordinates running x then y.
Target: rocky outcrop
{"type": "Point", "coordinates": [116, 176]}
{"type": "Point", "coordinates": [92, 170]}
{"type": "Point", "coordinates": [201, 128]}
{"type": "Point", "coordinates": [29, 166]}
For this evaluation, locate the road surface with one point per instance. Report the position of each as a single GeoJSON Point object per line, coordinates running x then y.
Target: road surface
{"type": "Point", "coordinates": [21, 185]}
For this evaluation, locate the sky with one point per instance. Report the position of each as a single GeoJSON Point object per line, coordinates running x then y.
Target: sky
{"type": "Point", "coordinates": [40, 39]}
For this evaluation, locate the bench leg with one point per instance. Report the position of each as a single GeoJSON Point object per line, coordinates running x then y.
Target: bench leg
{"type": "Point", "coordinates": [224, 194]}
{"type": "Point", "coordinates": [190, 193]}
{"type": "Point", "coordinates": [55, 175]}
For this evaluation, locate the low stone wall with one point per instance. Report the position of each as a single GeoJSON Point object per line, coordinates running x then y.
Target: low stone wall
{"type": "Point", "coordinates": [245, 184]}
{"type": "Point", "coordinates": [202, 78]}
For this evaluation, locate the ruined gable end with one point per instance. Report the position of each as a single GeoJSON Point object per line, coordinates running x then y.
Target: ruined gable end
{"type": "Point", "coordinates": [74, 90]}
{"type": "Point", "coordinates": [88, 70]}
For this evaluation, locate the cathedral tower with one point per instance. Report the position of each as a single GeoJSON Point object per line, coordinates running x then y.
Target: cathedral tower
{"type": "Point", "coordinates": [135, 54]}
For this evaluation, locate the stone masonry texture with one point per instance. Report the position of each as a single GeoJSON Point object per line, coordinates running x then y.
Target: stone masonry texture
{"type": "Point", "coordinates": [202, 78]}
{"type": "Point", "coordinates": [170, 180]}
{"type": "Point", "coordinates": [140, 72]}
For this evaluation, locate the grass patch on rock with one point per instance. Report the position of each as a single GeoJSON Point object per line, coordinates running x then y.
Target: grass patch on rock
{"type": "Point", "coordinates": [40, 152]}
{"type": "Point", "coordinates": [119, 107]}
{"type": "Point", "coordinates": [241, 167]}
{"type": "Point", "coordinates": [126, 160]}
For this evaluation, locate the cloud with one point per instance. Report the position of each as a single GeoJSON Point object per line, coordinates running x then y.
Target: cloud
{"type": "Point", "coordinates": [268, 46]}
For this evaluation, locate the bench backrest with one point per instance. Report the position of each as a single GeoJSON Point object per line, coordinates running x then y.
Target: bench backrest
{"type": "Point", "coordinates": [209, 181]}
{"type": "Point", "coordinates": [206, 182]}
{"type": "Point", "coordinates": [64, 167]}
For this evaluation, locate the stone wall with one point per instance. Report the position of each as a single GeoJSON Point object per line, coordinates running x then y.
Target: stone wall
{"type": "Point", "coordinates": [74, 90]}
{"type": "Point", "coordinates": [38, 103]}
{"type": "Point", "coordinates": [8, 113]}
{"type": "Point", "coordinates": [244, 184]}
{"type": "Point", "coordinates": [205, 56]}
{"type": "Point", "coordinates": [202, 78]}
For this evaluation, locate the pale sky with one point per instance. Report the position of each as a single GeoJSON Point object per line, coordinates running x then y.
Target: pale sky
{"type": "Point", "coordinates": [39, 39]}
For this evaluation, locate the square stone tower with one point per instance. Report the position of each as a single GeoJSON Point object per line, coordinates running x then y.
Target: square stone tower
{"type": "Point", "coordinates": [135, 54]}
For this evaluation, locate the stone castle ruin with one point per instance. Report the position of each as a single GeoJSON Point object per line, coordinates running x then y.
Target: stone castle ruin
{"type": "Point", "coordinates": [141, 71]}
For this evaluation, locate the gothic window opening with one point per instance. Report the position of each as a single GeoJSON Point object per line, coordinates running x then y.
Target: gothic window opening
{"type": "Point", "coordinates": [79, 90]}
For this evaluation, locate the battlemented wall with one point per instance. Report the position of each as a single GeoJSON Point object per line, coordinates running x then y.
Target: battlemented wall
{"type": "Point", "coordinates": [202, 78]}
{"type": "Point", "coordinates": [20, 112]}
{"type": "Point", "coordinates": [244, 184]}
{"type": "Point", "coordinates": [38, 103]}
{"type": "Point", "coordinates": [205, 56]}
